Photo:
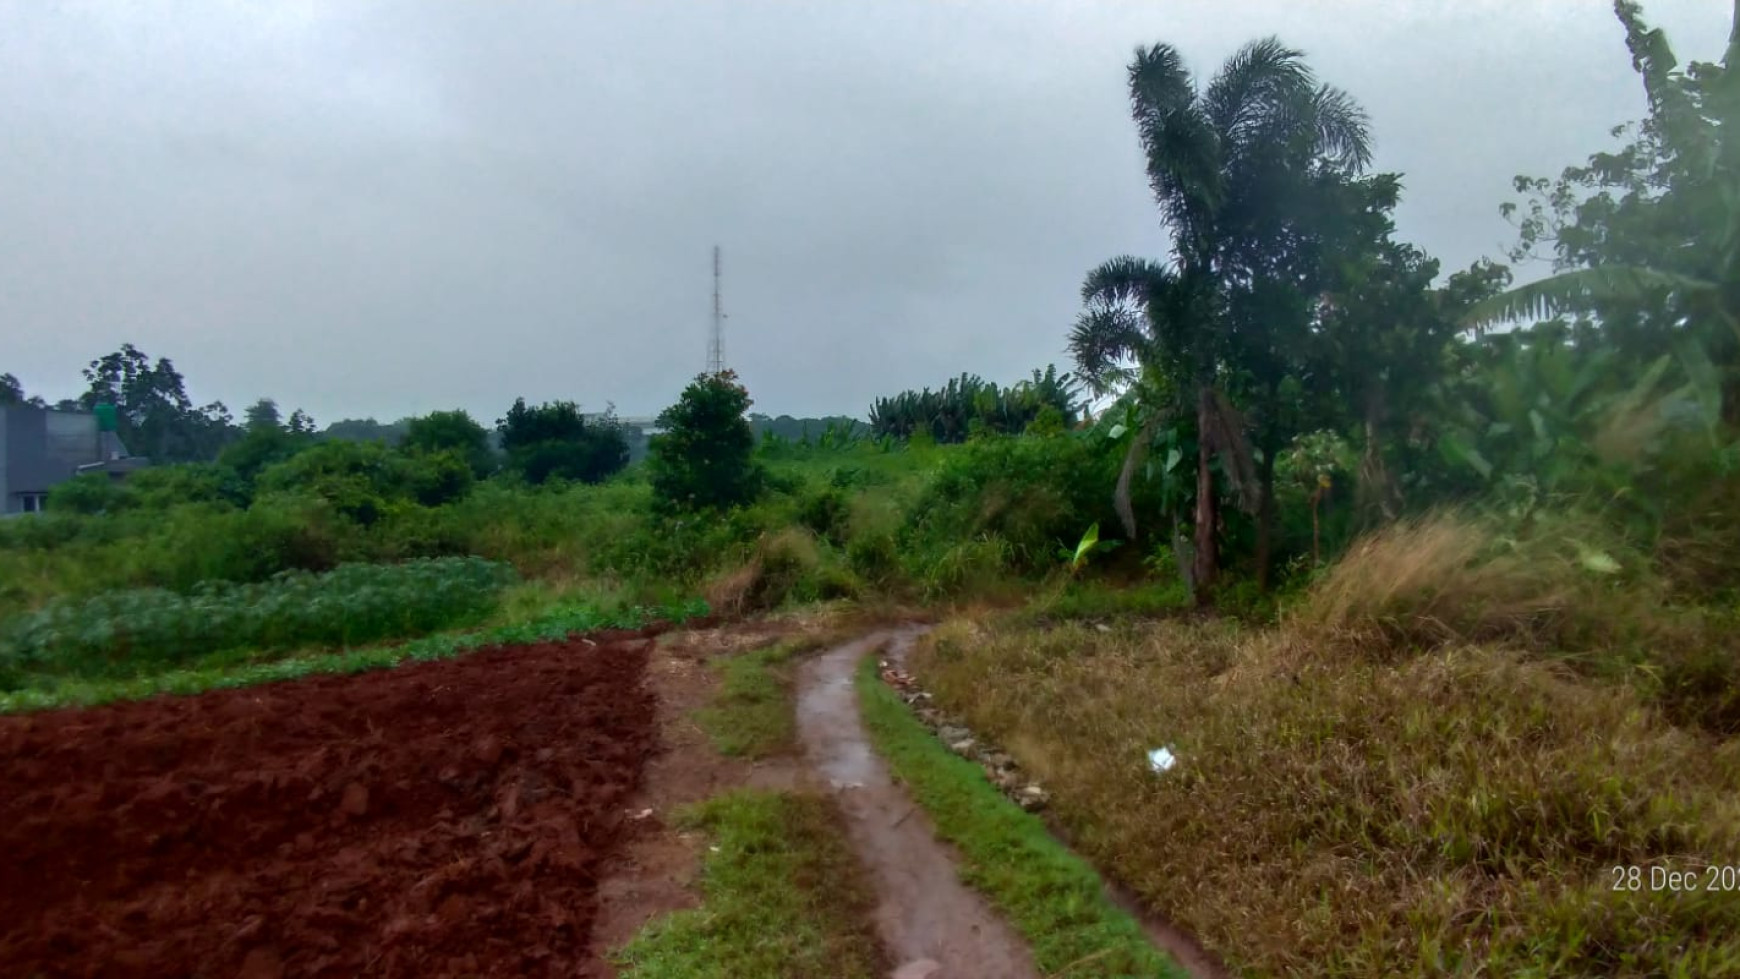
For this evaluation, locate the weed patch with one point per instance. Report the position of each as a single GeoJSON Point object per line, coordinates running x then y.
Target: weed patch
{"type": "Point", "coordinates": [752, 715]}
{"type": "Point", "coordinates": [1455, 811]}
{"type": "Point", "coordinates": [783, 899]}
{"type": "Point", "coordinates": [50, 692]}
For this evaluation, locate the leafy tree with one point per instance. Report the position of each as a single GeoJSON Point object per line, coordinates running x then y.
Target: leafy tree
{"type": "Point", "coordinates": [155, 416]}
{"type": "Point", "coordinates": [1647, 240]}
{"type": "Point", "coordinates": [1233, 166]}
{"type": "Point", "coordinates": [969, 403]}
{"type": "Point", "coordinates": [265, 442]}
{"type": "Point", "coordinates": [161, 487]}
{"type": "Point", "coordinates": [262, 414]}
{"type": "Point", "coordinates": [705, 458]}
{"type": "Point", "coordinates": [555, 441]}
{"type": "Point", "coordinates": [451, 431]}
{"type": "Point", "coordinates": [12, 393]}
{"type": "Point", "coordinates": [367, 430]}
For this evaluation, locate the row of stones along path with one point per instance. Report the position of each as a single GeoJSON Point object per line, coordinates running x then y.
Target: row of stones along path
{"type": "Point", "coordinates": [928, 920]}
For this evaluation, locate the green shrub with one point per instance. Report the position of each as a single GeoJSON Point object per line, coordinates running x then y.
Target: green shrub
{"type": "Point", "coordinates": [825, 512]}
{"type": "Point", "coordinates": [1035, 494]}
{"type": "Point", "coordinates": [88, 493]}
{"type": "Point", "coordinates": [965, 568]}
{"type": "Point", "coordinates": [435, 478]}
{"type": "Point", "coordinates": [705, 458]}
{"type": "Point", "coordinates": [555, 442]}
{"type": "Point", "coordinates": [451, 431]}
{"type": "Point", "coordinates": [162, 487]}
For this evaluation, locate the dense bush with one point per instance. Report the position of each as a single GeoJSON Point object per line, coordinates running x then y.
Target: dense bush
{"type": "Point", "coordinates": [554, 441]}
{"type": "Point", "coordinates": [361, 480]}
{"type": "Point", "coordinates": [706, 457]}
{"type": "Point", "coordinates": [127, 632]}
{"type": "Point", "coordinates": [451, 431]}
{"type": "Point", "coordinates": [1033, 494]}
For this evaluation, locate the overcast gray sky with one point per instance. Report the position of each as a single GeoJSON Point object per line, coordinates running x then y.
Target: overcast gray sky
{"type": "Point", "coordinates": [386, 208]}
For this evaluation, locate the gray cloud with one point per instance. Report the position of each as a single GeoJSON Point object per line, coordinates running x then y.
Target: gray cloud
{"type": "Point", "coordinates": [387, 208]}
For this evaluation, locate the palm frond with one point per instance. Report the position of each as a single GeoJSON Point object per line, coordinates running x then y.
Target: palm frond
{"type": "Point", "coordinates": [1258, 77]}
{"type": "Point", "coordinates": [1105, 337]}
{"type": "Point", "coordinates": [1343, 128]}
{"type": "Point", "coordinates": [1126, 279]}
{"type": "Point", "coordinates": [1182, 152]}
{"type": "Point", "coordinates": [1579, 290]}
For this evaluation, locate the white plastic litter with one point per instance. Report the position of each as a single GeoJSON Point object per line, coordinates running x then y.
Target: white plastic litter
{"type": "Point", "coordinates": [1161, 759]}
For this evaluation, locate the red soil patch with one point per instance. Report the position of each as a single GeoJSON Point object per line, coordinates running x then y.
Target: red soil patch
{"type": "Point", "coordinates": [441, 819]}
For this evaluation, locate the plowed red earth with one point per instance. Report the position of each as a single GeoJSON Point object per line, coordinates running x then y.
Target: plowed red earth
{"type": "Point", "coordinates": [441, 819]}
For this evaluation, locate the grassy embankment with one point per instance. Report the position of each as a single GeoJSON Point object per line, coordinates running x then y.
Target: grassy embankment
{"type": "Point", "coordinates": [1054, 899]}
{"type": "Point", "coordinates": [1445, 759]}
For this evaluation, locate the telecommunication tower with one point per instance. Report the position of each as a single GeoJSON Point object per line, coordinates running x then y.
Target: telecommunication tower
{"type": "Point", "coordinates": [716, 345]}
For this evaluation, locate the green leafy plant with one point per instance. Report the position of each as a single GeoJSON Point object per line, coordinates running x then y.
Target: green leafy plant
{"type": "Point", "coordinates": [129, 632]}
{"type": "Point", "coordinates": [1090, 543]}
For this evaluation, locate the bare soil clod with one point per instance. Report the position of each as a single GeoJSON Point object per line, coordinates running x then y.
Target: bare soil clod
{"type": "Point", "coordinates": [440, 819]}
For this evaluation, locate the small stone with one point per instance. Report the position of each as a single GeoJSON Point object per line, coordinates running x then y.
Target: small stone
{"type": "Point", "coordinates": [951, 733]}
{"type": "Point", "coordinates": [1033, 797]}
{"type": "Point", "coordinates": [921, 969]}
{"type": "Point", "coordinates": [963, 746]}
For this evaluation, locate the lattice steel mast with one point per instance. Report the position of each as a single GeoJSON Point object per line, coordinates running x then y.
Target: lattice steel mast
{"type": "Point", "coordinates": [716, 345]}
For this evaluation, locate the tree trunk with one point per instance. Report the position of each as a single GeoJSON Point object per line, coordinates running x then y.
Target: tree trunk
{"type": "Point", "coordinates": [1133, 458]}
{"type": "Point", "coordinates": [1207, 506]}
{"type": "Point", "coordinates": [1265, 516]}
{"type": "Point", "coordinates": [1376, 491]}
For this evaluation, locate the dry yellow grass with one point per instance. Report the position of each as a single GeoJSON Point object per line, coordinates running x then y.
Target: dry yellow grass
{"type": "Point", "coordinates": [787, 564]}
{"type": "Point", "coordinates": [1458, 811]}
{"type": "Point", "coordinates": [1448, 578]}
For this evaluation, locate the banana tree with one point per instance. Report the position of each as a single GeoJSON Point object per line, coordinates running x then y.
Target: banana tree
{"type": "Point", "coordinates": [1652, 250]}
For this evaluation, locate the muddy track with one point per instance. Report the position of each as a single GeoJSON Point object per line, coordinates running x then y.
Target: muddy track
{"type": "Point", "coordinates": [925, 916]}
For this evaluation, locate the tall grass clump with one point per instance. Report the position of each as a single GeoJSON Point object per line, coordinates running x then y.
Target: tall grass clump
{"type": "Point", "coordinates": [131, 632]}
{"type": "Point", "coordinates": [1561, 584]}
{"type": "Point", "coordinates": [787, 565]}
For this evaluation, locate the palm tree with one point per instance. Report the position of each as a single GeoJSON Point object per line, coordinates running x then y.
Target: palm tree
{"type": "Point", "coordinates": [1218, 160]}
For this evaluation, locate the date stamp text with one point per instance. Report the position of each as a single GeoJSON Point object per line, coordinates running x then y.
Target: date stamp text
{"type": "Point", "coordinates": [1715, 877]}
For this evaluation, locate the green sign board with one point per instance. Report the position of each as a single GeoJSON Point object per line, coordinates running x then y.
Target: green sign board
{"type": "Point", "coordinates": [105, 418]}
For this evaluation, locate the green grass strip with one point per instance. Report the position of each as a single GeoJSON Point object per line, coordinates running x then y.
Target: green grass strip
{"type": "Point", "coordinates": [783, 898]}
{"type": "Point", "coordinates": [558, 623]}
{"type": "Point", "coordinates": [751, 717]}
{"type": "Point", "coordinates": [1051, 896]}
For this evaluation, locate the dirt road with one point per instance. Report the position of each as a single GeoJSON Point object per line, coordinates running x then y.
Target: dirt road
{"type": "Point", "coordinates": [926, 917]}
